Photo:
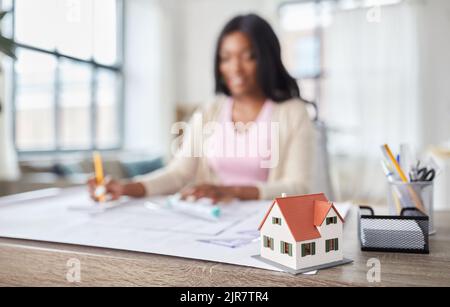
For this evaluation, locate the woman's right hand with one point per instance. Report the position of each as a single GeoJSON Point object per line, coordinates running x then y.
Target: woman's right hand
{"type": "Point", "coordinates": [113, 188]}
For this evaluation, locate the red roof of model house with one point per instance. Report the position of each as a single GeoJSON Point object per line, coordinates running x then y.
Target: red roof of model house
{"type": "Point", "coordinates": [303, 214]}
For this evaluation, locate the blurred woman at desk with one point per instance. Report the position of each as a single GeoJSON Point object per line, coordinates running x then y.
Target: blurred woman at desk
{"type": "Point", "coordinates": [258, 107]}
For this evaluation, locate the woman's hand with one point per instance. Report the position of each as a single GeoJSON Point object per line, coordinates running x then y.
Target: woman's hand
{"type": "Point", "coordinates": [214, 192]}
{"type": "Point", "coordinates": [116, 189]}
{"type": "Point", "coordinates": [112, 187]}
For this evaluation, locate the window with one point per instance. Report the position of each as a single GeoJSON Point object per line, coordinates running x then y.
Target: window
{"type": "Point", "coordinates": [268, 242]}
{"type": "Point", "coordinates": [308, 249]}
{"type": "Point", "coordinates": [67, 80]}
{"type": "Point", "coordinates": [286, 248]}
{"type": "Point", "coordinates": [331, 245]}
{"type": "Point", "coordinates": [276, 220]}
{"type": "Point", "coordinates": [302, 40]}
{"type": "Point", "coordinates": [332, 220]}
{"type": "Point", "coordinates": [325, 43]}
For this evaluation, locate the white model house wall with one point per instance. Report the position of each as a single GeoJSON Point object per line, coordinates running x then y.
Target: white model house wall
{"type": "Point", "coordinates": [327, 232]}
{"type": "Point", "coordinates": [278, 233]}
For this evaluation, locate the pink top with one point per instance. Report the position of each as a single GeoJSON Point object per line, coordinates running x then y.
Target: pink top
{"type": "Point", "coordinates": [237, 156]}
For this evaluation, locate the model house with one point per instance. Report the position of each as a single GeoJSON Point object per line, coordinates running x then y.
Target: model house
{"type": "Point", "coordinates": [301, 232]}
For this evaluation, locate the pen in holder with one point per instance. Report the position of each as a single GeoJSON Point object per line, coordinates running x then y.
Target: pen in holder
{"type": "Point", "coordinates": [417, 195]}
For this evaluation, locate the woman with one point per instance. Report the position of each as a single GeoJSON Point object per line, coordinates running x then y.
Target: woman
{"type": "Point", "coordinates": [253, 89]}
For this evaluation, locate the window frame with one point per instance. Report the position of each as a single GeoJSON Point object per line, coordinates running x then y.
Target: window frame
{"type": "Point", "coordinates": [286, 248]}
{"type": "Point", "coordinates": [331, 220]}
{"type": "Point", "coordinates": [276, 220]}
{"type": "Point", "coordinates": [268, 242]}
{"type": "Point", "coordinates": [332, 245]}
{"type": "Point", "coordinates": [308, 249]}
{"type": "Point", "coordinates": [317, 33]}
{"type": "Point", "coordinates": [95, 67]}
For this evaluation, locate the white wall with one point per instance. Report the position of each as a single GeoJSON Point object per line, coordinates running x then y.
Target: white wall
{"type": "Point", "coordinates": [327, 232]}
{"type": "Point", "coordinates": [370, 94]}
{"type": "Point", "coordinates": [434, 38]}
{"type": "Point", "coordinates": [433, 29]}
{"type": "Point", "coordinates": [148, 60]}
{"type": "Point", "coordinates": [9, 169]}
{"type": "Point", "coordinates": [387, 82]}
{"type": "Point", "coordinates": [278, 233]}
{"type": "Point", "coordinates": [330, 232]}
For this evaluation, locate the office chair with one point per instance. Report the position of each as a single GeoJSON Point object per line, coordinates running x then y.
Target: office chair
{"type": "Point", "coordinates": [321, 170]}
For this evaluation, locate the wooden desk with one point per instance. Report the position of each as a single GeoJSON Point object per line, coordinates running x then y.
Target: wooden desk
{"type": "Point", "coordinates": [32, 263]}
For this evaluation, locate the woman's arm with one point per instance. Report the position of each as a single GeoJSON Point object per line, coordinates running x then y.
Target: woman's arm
{"type": "Point", "coordinates": [167, 180]}
{"type": "Point", "coordinates": [116, 189]}
{"type": "Point", "coordinates": [134, 189]}
{"type": "Point", "coordinates": [220, 193]}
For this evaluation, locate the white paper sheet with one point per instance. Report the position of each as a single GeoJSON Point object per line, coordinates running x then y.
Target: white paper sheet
{"type": "Point", "coordinates": [135, 226]}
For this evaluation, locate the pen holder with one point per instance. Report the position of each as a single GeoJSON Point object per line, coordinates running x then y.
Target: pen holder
{"type": "Point", "coordinates": [417, 195]}
{"type": "Point", "coordinates": [404, 233]}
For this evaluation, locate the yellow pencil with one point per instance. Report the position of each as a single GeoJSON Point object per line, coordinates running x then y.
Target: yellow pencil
{"type": "Point", "coordinates": [99, 177]}
{"type": "Point", "coordinates": [413, 193]}
{"type": "Point", "coordinates": [394, 162]}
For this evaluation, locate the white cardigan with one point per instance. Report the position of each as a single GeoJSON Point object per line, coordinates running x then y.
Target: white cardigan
{"type": "Point", "coordinates": [292, 174]}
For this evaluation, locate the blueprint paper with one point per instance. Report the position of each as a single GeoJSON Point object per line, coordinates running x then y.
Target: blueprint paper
{"type": "Point", "coordinates": [142, 225]}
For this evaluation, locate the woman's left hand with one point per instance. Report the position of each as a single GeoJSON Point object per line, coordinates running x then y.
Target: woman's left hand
{"type": "Point", "coordinates": [215, 192]}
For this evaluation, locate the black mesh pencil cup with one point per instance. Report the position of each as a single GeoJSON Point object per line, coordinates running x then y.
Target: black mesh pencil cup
{"type": "Point", "coordinates": [404, 233]}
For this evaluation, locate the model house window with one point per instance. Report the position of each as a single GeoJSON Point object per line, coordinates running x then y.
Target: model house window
{"type": "Point", "coordinates": [276, 220]}
{"type": "Point", "coordinates": [331, 220]}
{"type": "Point", "coordinates": [268, 242]}
{"type": "Point", "coordinates": [331, 245]}
{"type": "Point", "coordinates": [67, 80]}
{"type": "Point", "coordinates": [308, 249]}
{"type": "Point", "coordinates": [286, 248]}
